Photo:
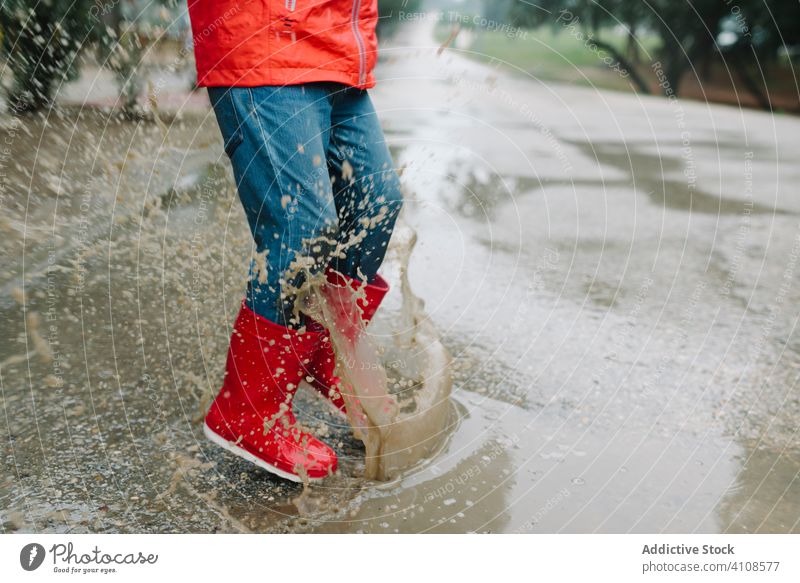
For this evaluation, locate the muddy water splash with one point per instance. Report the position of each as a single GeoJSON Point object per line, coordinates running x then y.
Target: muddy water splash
{"type": "Point", "coordinates": [396, 386]}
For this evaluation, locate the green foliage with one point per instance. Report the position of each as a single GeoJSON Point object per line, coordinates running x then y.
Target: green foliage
{"type": "Point", "coordinates": [765, 28]}
{"type": "Point", "coordinates": [689, 31]}
{"type": "Point", "coordinates": [42, 40]}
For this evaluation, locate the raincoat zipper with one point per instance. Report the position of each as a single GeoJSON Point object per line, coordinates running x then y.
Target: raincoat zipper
{"type": "Point", "coordinates": [362, 53]}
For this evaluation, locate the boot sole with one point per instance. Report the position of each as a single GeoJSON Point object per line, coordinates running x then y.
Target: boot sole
{"type": "Point", "coordinates": [231, 447]}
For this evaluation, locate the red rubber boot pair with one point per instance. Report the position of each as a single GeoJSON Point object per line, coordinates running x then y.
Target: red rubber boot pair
{"type": "Point", "coordinates": [252, 415]}
{"type": "Point", "coordinates": [338, 293]}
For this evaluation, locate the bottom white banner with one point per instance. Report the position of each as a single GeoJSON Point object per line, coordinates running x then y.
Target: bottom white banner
{"type": "Point", "coordinates": [34, 557]}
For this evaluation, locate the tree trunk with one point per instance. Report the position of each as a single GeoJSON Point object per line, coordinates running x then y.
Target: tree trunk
{"type": "Point", "coordinates": [626, 64]}
{"type": "Point", "coordinates": [632, 48]}
{"type": "Point", "coordinates": [751, 84]}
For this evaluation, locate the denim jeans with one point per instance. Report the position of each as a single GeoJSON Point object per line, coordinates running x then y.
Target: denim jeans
{"type": "Point", "coordinates": [312, 170]}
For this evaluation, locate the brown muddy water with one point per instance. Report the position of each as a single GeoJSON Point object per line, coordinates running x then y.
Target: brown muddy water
{"type": "Point", "coordinates": [614, 277]}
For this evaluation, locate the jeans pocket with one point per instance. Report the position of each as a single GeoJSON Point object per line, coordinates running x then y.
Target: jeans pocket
{"type": "Point", "coordinates": [227, 117]}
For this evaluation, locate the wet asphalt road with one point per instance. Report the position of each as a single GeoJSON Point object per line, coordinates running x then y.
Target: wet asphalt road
{"type": "Point", "coordinates": [616, 277]}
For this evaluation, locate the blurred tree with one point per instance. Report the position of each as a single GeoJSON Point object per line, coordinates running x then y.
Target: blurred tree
{"type": "Point", "coordinates": [591, 16]}
{"type": "Point", "coordinates": [692, 33]}
{"type": "Point", "coordinates": [631, 16]}
{"type": "Point", "coordinates": [42, 40]}
{"type": "Point", "coordinates": [753, 36]}
{"type": "Point", "coordinates": [688, 35]}
{"type": "Point", "coordinates": [130, 27]}
{"type": "Point", "coordinates": [497, 9]}
{"type": "Point", "coordinates": [389, 13]}
{"type": "Point", "coordinates": [121, 48]}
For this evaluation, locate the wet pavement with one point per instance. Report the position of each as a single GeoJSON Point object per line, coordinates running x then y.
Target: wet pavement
{"type": "Point", "coordinates": [615, 276]}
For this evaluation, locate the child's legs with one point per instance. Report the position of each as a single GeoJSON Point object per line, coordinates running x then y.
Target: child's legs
{"type": "Point", "coordinates": [276, 138]}
{"type": "Point", "coordinates": [365, 185]}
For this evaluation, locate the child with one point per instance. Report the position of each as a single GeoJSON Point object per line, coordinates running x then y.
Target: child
{"type": "Point", "coordinates": [288, 80]}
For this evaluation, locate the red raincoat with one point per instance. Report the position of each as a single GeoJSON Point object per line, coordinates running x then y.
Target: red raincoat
{"type": "Point", "coordinates": [284, 42]}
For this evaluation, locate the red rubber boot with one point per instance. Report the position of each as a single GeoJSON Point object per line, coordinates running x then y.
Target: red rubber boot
{"type": "Point", "coordinates": [252, 415]}
{"type": "Point", "coordinates": [323, 362]}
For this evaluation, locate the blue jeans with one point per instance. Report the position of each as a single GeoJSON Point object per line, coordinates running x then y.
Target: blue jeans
{"type": "Point", "coordinates": [313, 171]}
